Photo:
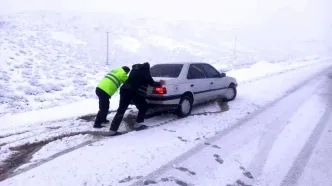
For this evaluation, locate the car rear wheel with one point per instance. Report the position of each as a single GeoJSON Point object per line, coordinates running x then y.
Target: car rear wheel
{"type": "Point", "coordinates": [231, 93]}
{"type": "Point", "coordinates": [185, 106]}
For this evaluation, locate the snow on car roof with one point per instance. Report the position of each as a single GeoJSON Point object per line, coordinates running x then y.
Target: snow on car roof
{"type": "Point", "coordinates": [178, 62]}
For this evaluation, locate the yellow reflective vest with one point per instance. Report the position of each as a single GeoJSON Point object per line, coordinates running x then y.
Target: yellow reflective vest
{"type": "Point", "coordinates": [113, 80]}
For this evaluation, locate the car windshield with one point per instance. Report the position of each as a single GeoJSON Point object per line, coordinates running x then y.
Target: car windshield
{"type": "Point", "coordinates": [166, 70]}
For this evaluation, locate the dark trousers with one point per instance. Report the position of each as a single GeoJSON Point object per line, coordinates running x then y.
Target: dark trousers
{"type": "Point", "coordinates": [126, 96]}
{"type": "Point", "coordinates": [104, 105]}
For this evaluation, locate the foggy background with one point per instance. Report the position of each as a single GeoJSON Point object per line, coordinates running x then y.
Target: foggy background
{"type": "Point", "coordinates": [266, 30]}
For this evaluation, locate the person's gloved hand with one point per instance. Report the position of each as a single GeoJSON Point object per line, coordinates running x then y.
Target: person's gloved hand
{"type": "Point", "coordinates": [162, 82]}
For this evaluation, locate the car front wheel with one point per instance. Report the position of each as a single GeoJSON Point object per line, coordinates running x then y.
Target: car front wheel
{"type": "Point", "coordinates": [185, 106]}
{"type": "Point", "coordinates": [231, 93]}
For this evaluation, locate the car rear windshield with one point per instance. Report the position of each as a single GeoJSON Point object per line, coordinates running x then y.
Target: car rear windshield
{"type": "Point", "coordinates": [166, 70]}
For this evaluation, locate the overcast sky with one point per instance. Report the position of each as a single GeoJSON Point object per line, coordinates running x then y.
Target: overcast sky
{"type": "Point", "coordinates": [315, 14]}
{"type": "Point", "coordinates": [225, 10]}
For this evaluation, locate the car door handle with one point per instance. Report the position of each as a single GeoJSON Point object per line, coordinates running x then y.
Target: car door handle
{"type": "Point", "coordinates": [211, 83]}
{"type": "Point", "coordinates": [192, 85]}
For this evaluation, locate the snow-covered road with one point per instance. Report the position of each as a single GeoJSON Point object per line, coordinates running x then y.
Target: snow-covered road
{"type": "Point", "coordinates": [265, 138]}
{"type": "Point", "coordinates": [262, 150]}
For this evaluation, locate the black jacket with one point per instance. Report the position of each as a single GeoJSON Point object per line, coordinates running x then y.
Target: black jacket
{"type": "Point", "coordinates": [139, 79]}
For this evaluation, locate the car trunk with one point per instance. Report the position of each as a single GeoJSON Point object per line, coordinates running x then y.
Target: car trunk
{"type": "Point", "coordinates": [167, 72]}
{"type": "Point", "coordinates": [168, 81]}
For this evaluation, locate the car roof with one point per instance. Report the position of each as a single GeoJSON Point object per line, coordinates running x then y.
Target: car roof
{"type": "Point", "coordinates": [179, 63]}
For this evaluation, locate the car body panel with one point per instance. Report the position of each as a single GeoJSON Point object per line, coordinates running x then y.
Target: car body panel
{"type": "Point", "coordinates": [202, 89]}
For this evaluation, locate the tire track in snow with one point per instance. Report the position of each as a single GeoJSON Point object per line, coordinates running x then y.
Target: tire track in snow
{"type": "Point", "coordinates": [160, 171]}
{"type": "Point", "coordinates": [43, 125]}
{"type": "Point", "coordinates": [47, 124]}
{"type": "Point", "coordinates": [302, 159]}
{"type": "Point", "coordinates": [299, 163]}
{"type": "Point", "coordinates": [230, 144]}
{"type": "Point", "coordinates": [54, 128]}
{"type": "Point", "coordinates": [51, 129]}
{"type": "Point", "coordinates": [24, 153]}
{"type": "Point", "coordinates": [25, 135]}
{"type": "Point", "coordinates": [45, 133]}
{"type": "Point", "coordinates": [13, 134]}
{"type": "Point", "coordinates": [274, 128]}
{"type": "Point", "coordinates": [98, 136]}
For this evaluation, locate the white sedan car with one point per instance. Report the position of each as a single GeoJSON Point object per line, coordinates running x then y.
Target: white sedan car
{"type": "Point", "coordinates": [188, 84]}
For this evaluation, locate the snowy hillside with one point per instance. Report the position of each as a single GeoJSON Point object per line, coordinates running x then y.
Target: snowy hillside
{"type": "Point", "coordinates": [50, 59]}
{"type": "Point", "coordinates": [131, 39]}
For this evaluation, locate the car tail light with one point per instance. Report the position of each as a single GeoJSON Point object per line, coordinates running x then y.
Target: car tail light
{"type": "Point", "coordinates": [159, 90]}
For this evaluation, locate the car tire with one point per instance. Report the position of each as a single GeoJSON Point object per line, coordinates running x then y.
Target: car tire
{"type": "Point", "coordinates": [185, 106]}
{"type": "Point", "coordinates": [233, 89]}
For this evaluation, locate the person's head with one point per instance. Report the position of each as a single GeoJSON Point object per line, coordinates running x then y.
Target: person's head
{"type": "Point", "coordinates": [146, 65]}
{"type": "Point", "coordinates": [126, 69]}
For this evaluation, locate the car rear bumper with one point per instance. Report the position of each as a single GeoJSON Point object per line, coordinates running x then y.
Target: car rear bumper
{"type": "Point", "coordinates": [155, 105]}
{"type": "Point", "coordinates": [163, 100]}
{"type": "Point", "coordinates": [161, 108]}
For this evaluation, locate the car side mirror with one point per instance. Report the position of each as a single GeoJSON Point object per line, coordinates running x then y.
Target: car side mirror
{"type": "Point", "coordinates": [223, 74]}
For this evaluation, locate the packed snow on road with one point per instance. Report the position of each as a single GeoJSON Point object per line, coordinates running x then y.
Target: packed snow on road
{"type": "Point", "coordinates": [277, 131]}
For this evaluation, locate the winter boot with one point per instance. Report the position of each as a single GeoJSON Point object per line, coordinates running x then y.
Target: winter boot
{"type": "Point", "coordinates": [135, 126]}
{"type": "Point", "coordinates": [98, 126]}
{"type": "Point", "coordinates": [106, 121]}
{"type": "Point", "coordinates": [138, 126]}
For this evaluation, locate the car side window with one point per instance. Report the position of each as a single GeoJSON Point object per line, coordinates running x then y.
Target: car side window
{"type": "Point", "coordinates": [195, 72]}
{"type": "Point", "coordinates": [210, 71]}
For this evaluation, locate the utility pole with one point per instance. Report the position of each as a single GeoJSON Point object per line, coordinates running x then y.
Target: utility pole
{"type": "Point", "coordinates": [235, 43]}
{"type": "Point", "coordinates": [107, 33]}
